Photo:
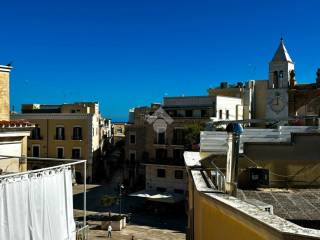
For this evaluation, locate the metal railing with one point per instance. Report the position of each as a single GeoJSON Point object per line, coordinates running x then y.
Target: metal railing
{"type": "Point", "coordinates": [217, 177]}
{"type": "Point", "coordinates": [82, 232]}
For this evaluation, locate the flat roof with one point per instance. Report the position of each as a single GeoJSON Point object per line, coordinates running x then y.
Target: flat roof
{"type": "Point", "coordinates": [291, 204]}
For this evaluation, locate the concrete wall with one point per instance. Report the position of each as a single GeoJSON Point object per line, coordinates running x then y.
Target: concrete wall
{"type": "Point", "coordinates": [233, 105]}
{"type": "Point", "coordinates": [292, 164]}
{"type": "Point", "coordinates": [260, 96]}
{"type": "Point", "coordinates": [13, 146]}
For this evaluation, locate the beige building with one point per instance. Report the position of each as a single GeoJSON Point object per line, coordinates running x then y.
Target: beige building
{"type": "Point", "coordinates": [159, 135]}
{"type": "Point", "coordinates": [13, 134]}
{"type": "Point", "coordinates": [66, 131]}
{"type": "Point", "coordinates": [118, 131]}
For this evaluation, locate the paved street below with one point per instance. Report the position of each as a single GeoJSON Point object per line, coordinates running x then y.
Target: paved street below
{"type": "Point", "coordinates": [144, 224]}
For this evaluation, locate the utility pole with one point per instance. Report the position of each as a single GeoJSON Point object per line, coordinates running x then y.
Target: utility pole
{"type": "Point", "coordinates": [121, 187]}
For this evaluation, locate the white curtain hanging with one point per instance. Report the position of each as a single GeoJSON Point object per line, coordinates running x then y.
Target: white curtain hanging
{"type": "Point", "coordinates": [37, 206]}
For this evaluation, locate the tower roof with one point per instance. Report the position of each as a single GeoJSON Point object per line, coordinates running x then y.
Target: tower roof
{"type": "Point", "coordinates": [281, 54]}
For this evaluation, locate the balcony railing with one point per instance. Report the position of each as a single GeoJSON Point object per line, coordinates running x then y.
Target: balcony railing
{"type": "Point", "coordinates": [35, 137]}
{"type": "Point", "coordinates": [59, 137]}
{"type": "Point", "coordinates": [165, 161]}
{"type": "Point", "coordinates": [160, 141]}
{"type": "Point", "coordinates": [76, 137]}
{"type": "Point", "coordinates": [177, 141]}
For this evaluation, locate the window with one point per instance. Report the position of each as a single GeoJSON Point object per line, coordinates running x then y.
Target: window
{"type": "Point", "coordinates": [75, 110]}
{"type": "Point", "coordinates": [161, 154]}
{"type": "Point", "coordinates": [76, 153]}
{"type": "Point", "coordinates": [281, 74]}
{"type": "Point", "coordinates": [227, 114]}
{"type": "Point", "coordinates": [178, 174]}
{"type": "Point", "coordinates": [220, 114]}
{"type": "Point", "coordinates": [119, 130]}
{"type": "Point", "coordinates": [172, 113]}
{"type": "Point", "coordinates": [181, 113]}
{"type": "Point", "coordinates": [132, 138]}
{"type": "Point", "coordinates": [77, 133]}
{"type": "Point", "coordinates": [204, 113]}
{"type": "Point", "coordinates": [161, 173]}
{"type": "Point", "coordinates": [132, 156]}
{"type": "Point", "coordinates": [178, 136]}
{"type": "Point", "coordinates": [178, 155]}
{"type": "Point", "coordinates": [60, 133]}
{"type": "Point", "coordinates": [188, 113]}
{"type": "Point", "coordinates": [36, 133]}
{"type": "Point", "coordinates": [35, 151]}
{"type": "Point", "coordinates": [60, 152]}
{"type": "Point", "coordinates": [161, 137]}
{"type": "Point", "coordinates": [161, 189]}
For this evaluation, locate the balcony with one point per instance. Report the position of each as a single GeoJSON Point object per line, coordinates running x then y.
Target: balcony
{"type": "Point", "coordinates": [76, 137]}
{"type": "Point", "coordinates": [161, 141]}
{"type": "Point", "coordinates": [164, 161]}
{"type": "Point", "coordinates": [59, 137]}
{"type": "Point", "coordinates": [177, 141]}
{"type": "Point", "coordinates": [35, 137]}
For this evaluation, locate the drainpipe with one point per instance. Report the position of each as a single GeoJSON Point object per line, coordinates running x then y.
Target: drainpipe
{"type": "Point", "coordinates": [234, 131]}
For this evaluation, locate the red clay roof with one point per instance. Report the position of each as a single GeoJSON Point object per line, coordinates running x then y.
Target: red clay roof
{"type": "Point", "coordinates": [15, 124]}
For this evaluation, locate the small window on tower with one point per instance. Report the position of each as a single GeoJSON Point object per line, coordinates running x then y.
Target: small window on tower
{"type": "Point", "coordinates": [281, 74]}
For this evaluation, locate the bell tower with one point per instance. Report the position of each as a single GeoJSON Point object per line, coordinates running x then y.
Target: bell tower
{"type": "Point", "coordinates": [4, 92]}
{"type": "Point", "coordinates": [281, 70]}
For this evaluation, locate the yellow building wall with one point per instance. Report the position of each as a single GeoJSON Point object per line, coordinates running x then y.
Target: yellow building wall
{"type": "Point", "coordinates": [214, 222]}
{"type": "Point", "coordinates": [48, 143]}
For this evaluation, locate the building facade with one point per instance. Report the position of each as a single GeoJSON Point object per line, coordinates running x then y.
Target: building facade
{"type": "Point", "coordinates": [159, 135]}
{"type": "Point", "coordinates": [67, 131]}
{"type": "Point", "coordinates": [118, 131]}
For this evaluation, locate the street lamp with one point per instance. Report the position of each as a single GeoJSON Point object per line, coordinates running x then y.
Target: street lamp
{"type": "Point", "coordinates": [121, 188]}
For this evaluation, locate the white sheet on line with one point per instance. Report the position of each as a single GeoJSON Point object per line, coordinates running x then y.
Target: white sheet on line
{"type": "Point", "coordinates": [37, 206]}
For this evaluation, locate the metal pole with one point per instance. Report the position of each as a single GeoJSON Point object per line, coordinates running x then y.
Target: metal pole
{"type": "Point", "coordinates": [120, 203]}
{"type": "Point", "coordinates": [85, 194]}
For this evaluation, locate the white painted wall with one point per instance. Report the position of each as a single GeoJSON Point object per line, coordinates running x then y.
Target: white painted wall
{"type": "Point", "coordinates": [10, 149]}
{"type": "Point", "coordinates": [234, 105]}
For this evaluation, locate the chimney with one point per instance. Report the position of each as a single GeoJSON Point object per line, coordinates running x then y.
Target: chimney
{"type": "Point", "coordinates": [4, 92]}
{"type": "Point", "coordinates": [234, 131]}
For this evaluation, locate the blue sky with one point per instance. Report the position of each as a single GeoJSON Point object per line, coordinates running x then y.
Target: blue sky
{"type": "Point", "coordinates": [129, 53]}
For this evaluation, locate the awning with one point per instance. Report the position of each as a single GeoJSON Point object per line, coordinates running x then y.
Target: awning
{"type": "Point", "coordinates": [164, 197]}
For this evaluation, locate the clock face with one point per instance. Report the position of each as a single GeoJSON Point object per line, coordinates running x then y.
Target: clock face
{"type": "Point", "coordinates": [277, 104]}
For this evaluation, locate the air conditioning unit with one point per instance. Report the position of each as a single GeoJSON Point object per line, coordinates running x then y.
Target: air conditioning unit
{"type": "Point", "coordinates": [252, 178]}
